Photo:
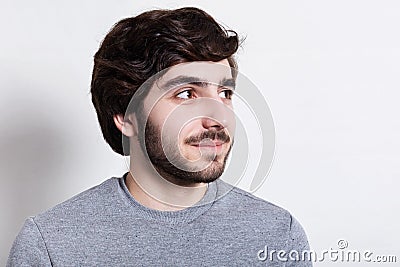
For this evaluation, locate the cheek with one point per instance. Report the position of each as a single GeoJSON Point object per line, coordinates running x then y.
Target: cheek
{"type": "Point", "coordinates": [186, 151]}
{"type": "Point", "coordinates": [175, 122]}
{"type": "Point", "coordinates": [188, 129]}
{"type": "Point", "coordinates": [159, 115]}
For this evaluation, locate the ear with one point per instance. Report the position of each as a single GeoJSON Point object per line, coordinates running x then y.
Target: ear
{"type": "Point", "coordinates": [128, 126]}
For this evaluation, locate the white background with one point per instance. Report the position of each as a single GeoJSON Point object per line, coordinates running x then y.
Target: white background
{"type": "Point", "coordinates": [329, 70]}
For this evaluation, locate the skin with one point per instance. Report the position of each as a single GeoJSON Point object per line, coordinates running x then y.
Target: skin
{"type": "Point", "coordinates": [180, 115]}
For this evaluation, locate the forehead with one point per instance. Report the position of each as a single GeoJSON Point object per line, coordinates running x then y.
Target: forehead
{"type": "Point", "coordinates": [204, 71]}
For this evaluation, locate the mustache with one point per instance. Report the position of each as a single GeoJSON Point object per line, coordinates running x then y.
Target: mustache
{"type": "Point", "coordinates": [212, 134]}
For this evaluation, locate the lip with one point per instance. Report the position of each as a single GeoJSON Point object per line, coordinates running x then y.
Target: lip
{"type": "Point", "coordinates": [210, 144]}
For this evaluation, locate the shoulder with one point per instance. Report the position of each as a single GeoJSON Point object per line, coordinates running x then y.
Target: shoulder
{"type": "Point", "coordinates": [83, 204]}
{"type": "Point", "coordinates": [255, 210]}
{"type": "Point", "coordinates": [232, 196]}
{"type": "Point", "coordinates": [29, 248]}
{"type": "Point", "coordinates": [42, 234]}
{"type": "Point", "coordinates": [262, 216]}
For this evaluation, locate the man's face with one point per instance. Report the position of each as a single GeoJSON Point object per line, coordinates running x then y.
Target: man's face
{"type": "Point", "coordinates": [190, 125]}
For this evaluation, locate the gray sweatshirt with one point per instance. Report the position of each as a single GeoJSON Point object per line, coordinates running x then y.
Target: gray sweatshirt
{"type": "Point", "coordinates": [106, 226]}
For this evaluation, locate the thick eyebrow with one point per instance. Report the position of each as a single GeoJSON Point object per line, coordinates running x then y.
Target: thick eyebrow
{"type": "Point", "coordinates": [182, 80]}
{"type": "Point", "coordinates": [228, 82]}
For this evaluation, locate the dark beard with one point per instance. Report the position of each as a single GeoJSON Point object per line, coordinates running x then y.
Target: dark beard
{"type": "Point", "coordinates": [170, 171]}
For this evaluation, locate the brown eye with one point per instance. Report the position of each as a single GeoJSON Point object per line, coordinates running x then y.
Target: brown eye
{"type": "Point", "coordinates": [187, 94]}
{"type": "Point", "coordinates": [226, 94]}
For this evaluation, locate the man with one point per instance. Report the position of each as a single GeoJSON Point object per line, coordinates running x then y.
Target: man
{"type": "Point", "coordinates": [162, 87]}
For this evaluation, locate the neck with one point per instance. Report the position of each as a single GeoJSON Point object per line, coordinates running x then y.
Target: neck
{"type": "Point", "coordinates": [152, 191]}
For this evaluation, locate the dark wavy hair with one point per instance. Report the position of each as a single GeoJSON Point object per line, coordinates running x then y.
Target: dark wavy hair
{"type": "Point", "coordinates": [136, 48]}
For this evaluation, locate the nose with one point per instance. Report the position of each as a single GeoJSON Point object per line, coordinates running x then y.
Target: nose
{"type": "Point", "coordinates": [217, 114]}
{"type": "Point", "coordinates": [210, 123]}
